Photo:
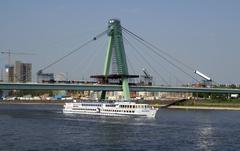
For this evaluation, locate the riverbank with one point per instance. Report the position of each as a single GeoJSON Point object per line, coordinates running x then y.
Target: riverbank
{"type": "Point", "coordinates": [198, 107]}
{"type": "Point", "coordinates": [203, 104]}
{"type": "Point", "coordinates": [33, 102]}
{"type": "Point", "coordinates": [182, 104]}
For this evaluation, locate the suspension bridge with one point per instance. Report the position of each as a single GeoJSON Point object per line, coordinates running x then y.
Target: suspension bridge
{"type": "Point", "coordinates": [116, 63]}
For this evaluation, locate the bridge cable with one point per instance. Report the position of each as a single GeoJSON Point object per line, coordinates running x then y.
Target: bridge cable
{"type": "Point", "coordinates": [92, 59]}
{"type": "Point", "coordinates": [130, 65]}
{"type": "Point", "coordinates": [164, 52]}
{"type": "Point", "coordinates": [134, 48]}
{"type": "Point", "coordinates": [152, 58]}
{"type": "Point", "coordinates": [139, 39]}
{"type": "Point", "coordinates": [129, 61]}
{"type": "Point", "coordinates": [75, 50]}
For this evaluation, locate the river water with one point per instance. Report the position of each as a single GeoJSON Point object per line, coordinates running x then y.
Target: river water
{"type": "Point", "coordinates": [45, 127]}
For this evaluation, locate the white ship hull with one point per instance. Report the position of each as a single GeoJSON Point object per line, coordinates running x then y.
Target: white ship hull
{"type": "Point", "coordinates": [111, 109]}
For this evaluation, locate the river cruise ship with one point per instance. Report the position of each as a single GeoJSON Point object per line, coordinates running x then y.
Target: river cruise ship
{"type": "Point", "coordinates": [120, 108]}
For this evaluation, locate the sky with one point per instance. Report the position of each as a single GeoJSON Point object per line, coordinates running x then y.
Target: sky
{"type": "Point", "coordinates": [203, 34]}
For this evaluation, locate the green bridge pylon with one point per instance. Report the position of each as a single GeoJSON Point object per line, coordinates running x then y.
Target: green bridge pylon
{"type": "Point", "coordinates": [116, 57]}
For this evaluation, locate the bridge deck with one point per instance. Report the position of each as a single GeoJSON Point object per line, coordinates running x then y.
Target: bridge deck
{"type": "Point", "coordinates": [40, 86]}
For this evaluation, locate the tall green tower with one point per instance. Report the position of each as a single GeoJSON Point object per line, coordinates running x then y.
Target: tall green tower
{"type": "Point", "coordinates": [116, 57]}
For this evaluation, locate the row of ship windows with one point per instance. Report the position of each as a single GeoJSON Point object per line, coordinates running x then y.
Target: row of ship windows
{"type": "Point", "coordinates": [133, 106]}
{"type": "Point", "coordinates": [99, 105]}
{"type": "Point", "coordinates": [91, 105]}
{"type": "Point", "coordinates": [110, 105]}
{"type": "Point", "coordinates": [121, 106]}
{"type": "Point", "coordinates": [128, 111]}
{"type": "Point", "coordinates": [84, 109]}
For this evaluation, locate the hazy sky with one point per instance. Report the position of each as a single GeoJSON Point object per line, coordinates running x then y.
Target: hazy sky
{"type": "Point", "coordinates": [204, 34]}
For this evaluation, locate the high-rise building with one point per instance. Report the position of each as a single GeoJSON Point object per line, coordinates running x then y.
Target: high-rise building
{"type": "Point", "coordinates": [23, 72]}
{"type": "Point", "coordinates": [9, 71]}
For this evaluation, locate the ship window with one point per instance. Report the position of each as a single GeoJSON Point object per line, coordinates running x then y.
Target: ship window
{"type": "Point", "coordinates": [110, 105]}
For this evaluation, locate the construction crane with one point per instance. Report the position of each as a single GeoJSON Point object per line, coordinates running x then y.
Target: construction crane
{"type": "Point", "coordinates": [207, 81]}
{"type": "Point", "coordinates": [202, 75]}
{"type": "Point", "coordinates": [147, 78]}
{"type": "Point", "coordinates": [10, 53]}
{"type": "Point", "coordinates": [9, 68]}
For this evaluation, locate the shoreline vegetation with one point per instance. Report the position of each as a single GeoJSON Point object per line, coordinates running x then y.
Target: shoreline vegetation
{"type": "Point", "coordinates": [205, 104]}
